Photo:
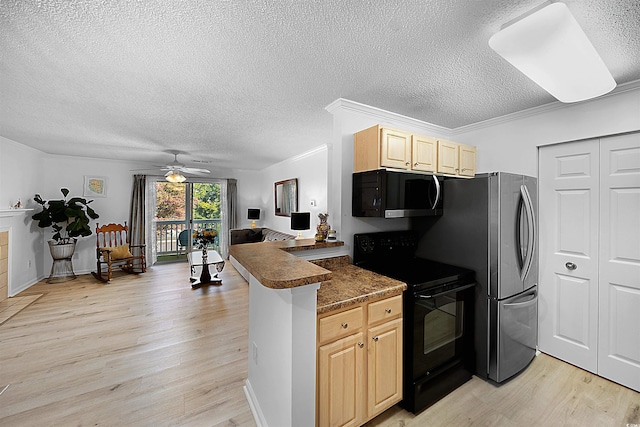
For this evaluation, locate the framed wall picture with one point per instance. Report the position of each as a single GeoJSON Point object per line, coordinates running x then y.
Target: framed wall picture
{"type": "Point", "coordinates": [95, 186]}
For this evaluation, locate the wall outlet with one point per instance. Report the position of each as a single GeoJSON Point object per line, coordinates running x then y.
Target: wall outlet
{"type": "Point", "coordinates": [254, 352]}
{"type": "Point", "coordinates": [313, 203]}
{"type": "Point", "coordinates": [29, 264]}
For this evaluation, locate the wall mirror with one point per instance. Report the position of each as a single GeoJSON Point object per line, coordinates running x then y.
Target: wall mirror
{"type": "Point", "coordinates": [286, 197]}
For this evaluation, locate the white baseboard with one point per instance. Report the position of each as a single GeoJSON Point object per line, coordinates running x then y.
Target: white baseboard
{"type": "Point", "coordinates": [258, 416]}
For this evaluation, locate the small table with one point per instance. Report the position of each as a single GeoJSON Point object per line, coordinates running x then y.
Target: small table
{"type": "Point", "coordinates": [212, 258]}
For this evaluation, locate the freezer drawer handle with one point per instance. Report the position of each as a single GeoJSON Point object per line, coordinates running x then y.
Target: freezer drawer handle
{"type": "Point", "coordinates": [570, 266]}
{"type": "Point", "coordinates": [524, 303]}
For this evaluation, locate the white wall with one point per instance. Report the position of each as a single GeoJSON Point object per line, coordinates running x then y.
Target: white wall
{"type": "Point", "coordinates": [506, 144]}
{"type": "Point", "coordinates": [256, 190]}
{"type": "Point", "coordinates": [510, 144]}
{"type": "Point", "coordinates": [25, 171]}
{"type": "Point", "coordinates": [20, 168]}
{"type": "Point", "coordinates": [348, 118]}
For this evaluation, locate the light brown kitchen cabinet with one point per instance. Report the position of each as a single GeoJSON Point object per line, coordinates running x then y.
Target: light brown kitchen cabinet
{"type": "Point", "coordinates": [359, 362]}
{"type": "Point", "coordinates": [341, 379]}
{"type": "Point", "coordinates": [456, 159]}
{"type": "Point", "coordinates": [467, 159]}
{"type": "Point", "coordinates": [381, 147]}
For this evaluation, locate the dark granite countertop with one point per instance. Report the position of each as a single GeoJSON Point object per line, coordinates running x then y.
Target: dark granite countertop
{"type": "Point", "coordinates": [342, 284]}
{"type": "Point", "coordinates": [351, 285]}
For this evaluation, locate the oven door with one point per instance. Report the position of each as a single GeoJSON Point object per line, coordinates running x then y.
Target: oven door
{"type": "Point", "coordinates": [442, 325]}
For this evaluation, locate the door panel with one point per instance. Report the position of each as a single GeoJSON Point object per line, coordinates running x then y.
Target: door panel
{"type": "Point", "coordinates": [395, 149]}
{"type": "Point", "coordinates": [572, 295]}
{"type": "Point", "coordinates": [532, 187]}
{"type": "Point", "coordinates": [424, 153]}
{"type": "Point", "coordinates": [341, 373]}
{"type": "Point", "coordinates": [385, 366]}
{"type": "Point", "coordinates": [510, 199]}
{"type": "Point", "coordinates": [569, 221]}
{"type": "Point", "coordinates": [515, 321]}
{"type": "Point", "coordinates": [619, 349]}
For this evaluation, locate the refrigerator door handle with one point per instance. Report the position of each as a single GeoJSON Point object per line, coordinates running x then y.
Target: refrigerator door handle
{"type": "Point", "coordinates": [435, 180]}
{"type": "Point", "coordinates": [530, 301]}
{"type": "Point", "coordinates": [531, 231]}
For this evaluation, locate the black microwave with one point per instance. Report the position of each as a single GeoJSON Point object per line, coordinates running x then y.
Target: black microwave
{"type": "Point", "coordinates": [390, 194]}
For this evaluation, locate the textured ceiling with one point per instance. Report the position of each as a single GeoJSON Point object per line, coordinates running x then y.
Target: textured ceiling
{"type": "Point", "coordinates": [243, 84]}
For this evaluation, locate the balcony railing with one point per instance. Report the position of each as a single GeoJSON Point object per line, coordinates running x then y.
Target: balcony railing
{"type": "Point", "coordinates": [167, 234]}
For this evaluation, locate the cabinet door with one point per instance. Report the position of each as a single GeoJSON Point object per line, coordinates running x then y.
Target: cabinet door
{"type": "Point", "coordinates": [424, 153]}
{"type": "Point", "coordinates": [341, 382]}
{"type": "Point", "coordinates": [385, 366]}
{"type": "Point", "coordinates": [395, 150]}
{"type": "Point", "coordinates": [467, 160]}
{"type": "Point", "coordinates": [447, 157]}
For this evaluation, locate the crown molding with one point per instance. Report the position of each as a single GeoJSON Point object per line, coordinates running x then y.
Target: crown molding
{"type": "Point", "coordinates": [379, 114]}
{"type": "Point", "coordinates": [556, 105]}
{"type": "Point", "coordinates": [342, 104]}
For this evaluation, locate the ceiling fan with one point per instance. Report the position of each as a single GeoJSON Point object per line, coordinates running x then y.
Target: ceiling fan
{"type": "Point", "coordinates": [175, 170]}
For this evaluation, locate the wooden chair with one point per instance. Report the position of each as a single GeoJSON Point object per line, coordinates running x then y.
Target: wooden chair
{"type": "Point", "coordinates": [113, 249]}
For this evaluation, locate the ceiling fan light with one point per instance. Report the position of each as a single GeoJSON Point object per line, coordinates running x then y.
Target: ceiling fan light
{"type": "Point", "coordinates": [549, 46]}
{"type": "Point", "coordinates": [175, 177]}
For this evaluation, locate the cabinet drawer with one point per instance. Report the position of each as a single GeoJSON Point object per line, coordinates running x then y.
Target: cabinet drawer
{"type": "Point", "coordinates": [387, 309]}
{"type": "Point", "coordinates": [340, 325]}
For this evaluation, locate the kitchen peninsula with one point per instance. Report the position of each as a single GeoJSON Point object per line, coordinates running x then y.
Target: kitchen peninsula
{"type": "Point", "coordinates": [287, 294]}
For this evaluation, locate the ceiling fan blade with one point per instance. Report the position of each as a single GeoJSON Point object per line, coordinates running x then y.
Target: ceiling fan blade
{"type": "Point", "coordinates": [195, 170]}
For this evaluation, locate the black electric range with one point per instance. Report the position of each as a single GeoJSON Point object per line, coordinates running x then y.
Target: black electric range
{"type": "Point", "coordinates": [437, 312]}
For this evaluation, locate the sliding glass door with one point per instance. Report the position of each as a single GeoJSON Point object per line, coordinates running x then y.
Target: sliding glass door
{"type": "Point", "coordinates": [180, 210]}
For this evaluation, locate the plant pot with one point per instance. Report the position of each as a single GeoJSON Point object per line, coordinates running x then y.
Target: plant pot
{"type": "Point", "coordinates": [62, 267]}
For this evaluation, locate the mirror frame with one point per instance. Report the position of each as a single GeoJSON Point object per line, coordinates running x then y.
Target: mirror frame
{"type": "Point", "coordinates": [280, 187]}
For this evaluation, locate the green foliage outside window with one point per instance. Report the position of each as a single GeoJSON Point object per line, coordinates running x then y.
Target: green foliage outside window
{"type": "Point", "coordinates": [171, 201]}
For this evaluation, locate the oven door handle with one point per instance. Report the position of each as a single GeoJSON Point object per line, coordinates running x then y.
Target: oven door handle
{"type": "Point", "coordinates": [461, 288]}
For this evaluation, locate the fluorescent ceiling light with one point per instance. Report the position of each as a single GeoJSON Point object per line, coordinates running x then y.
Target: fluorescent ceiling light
{"type": "Point", "coordinates": [173, 176]}
{"type": "Point", "coordinates": [548, 46]}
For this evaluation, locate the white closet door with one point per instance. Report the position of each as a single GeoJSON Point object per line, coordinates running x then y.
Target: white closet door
{"type": "Point", "coordinates": [619, 342]}
{"type": "Point", "coordinates": [568, 216]}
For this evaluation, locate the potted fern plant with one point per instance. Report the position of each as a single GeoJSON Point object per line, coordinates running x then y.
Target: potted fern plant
{"type": "Point", "coordinates": [69, 219]}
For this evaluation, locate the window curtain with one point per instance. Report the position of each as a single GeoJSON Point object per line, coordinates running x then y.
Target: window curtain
{"type": "Point", "coordinates": [229, 194]}
{"type": "Point", "coordinates": [232, 202]}
{"type": "Point", "coordinates": [137, 212]}
{"type": "Point", "coordinates": [152, 236]}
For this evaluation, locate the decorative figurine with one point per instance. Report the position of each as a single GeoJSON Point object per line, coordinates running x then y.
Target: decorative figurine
{"type": "Point", "coordinates": [323, 228]}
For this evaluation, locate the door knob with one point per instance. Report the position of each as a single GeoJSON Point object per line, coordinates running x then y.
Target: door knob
{"type": "Point", "coordinates": [570, 266]}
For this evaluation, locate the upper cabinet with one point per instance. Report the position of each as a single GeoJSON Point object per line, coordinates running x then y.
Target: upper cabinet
{"type": "Point", "coordinates": [456, 159]}
{"type": "Point", "coordinates": [382, 147]}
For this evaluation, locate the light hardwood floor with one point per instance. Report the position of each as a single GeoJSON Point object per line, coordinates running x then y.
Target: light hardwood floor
{"type": "Point", "coordinates": [149, 351]}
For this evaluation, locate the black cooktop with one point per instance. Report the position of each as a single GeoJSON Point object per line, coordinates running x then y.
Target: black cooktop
{"type": "Point", "coordinates": [392, 254]}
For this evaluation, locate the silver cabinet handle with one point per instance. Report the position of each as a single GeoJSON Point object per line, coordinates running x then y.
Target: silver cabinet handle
{"type": "Point", "coordinates": [375, 339]}
{"type": "Point", "coordinates": [408, 163]}
{"type": "Point", "coordinates": [387, 310]}
{"type": "Point", "coordinates": [344, 325]}
{"type": "Point", "coordinates": [360, 344]}
{"type": "Point", "coordinates": [415, 164]}
{"type": "Point", "coordinates": [570, 266]}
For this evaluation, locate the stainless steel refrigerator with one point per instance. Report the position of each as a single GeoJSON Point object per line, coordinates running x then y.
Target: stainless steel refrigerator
{"type": "Point", "coordinates": [489, 225]}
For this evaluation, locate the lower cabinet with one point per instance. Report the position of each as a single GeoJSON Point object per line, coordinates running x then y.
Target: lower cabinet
{"type": "Point", "coordinates": [359, 362]}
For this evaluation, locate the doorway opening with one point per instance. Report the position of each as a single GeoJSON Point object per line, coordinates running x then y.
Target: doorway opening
{"type": "Point", "coordinates": [182, 209]}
